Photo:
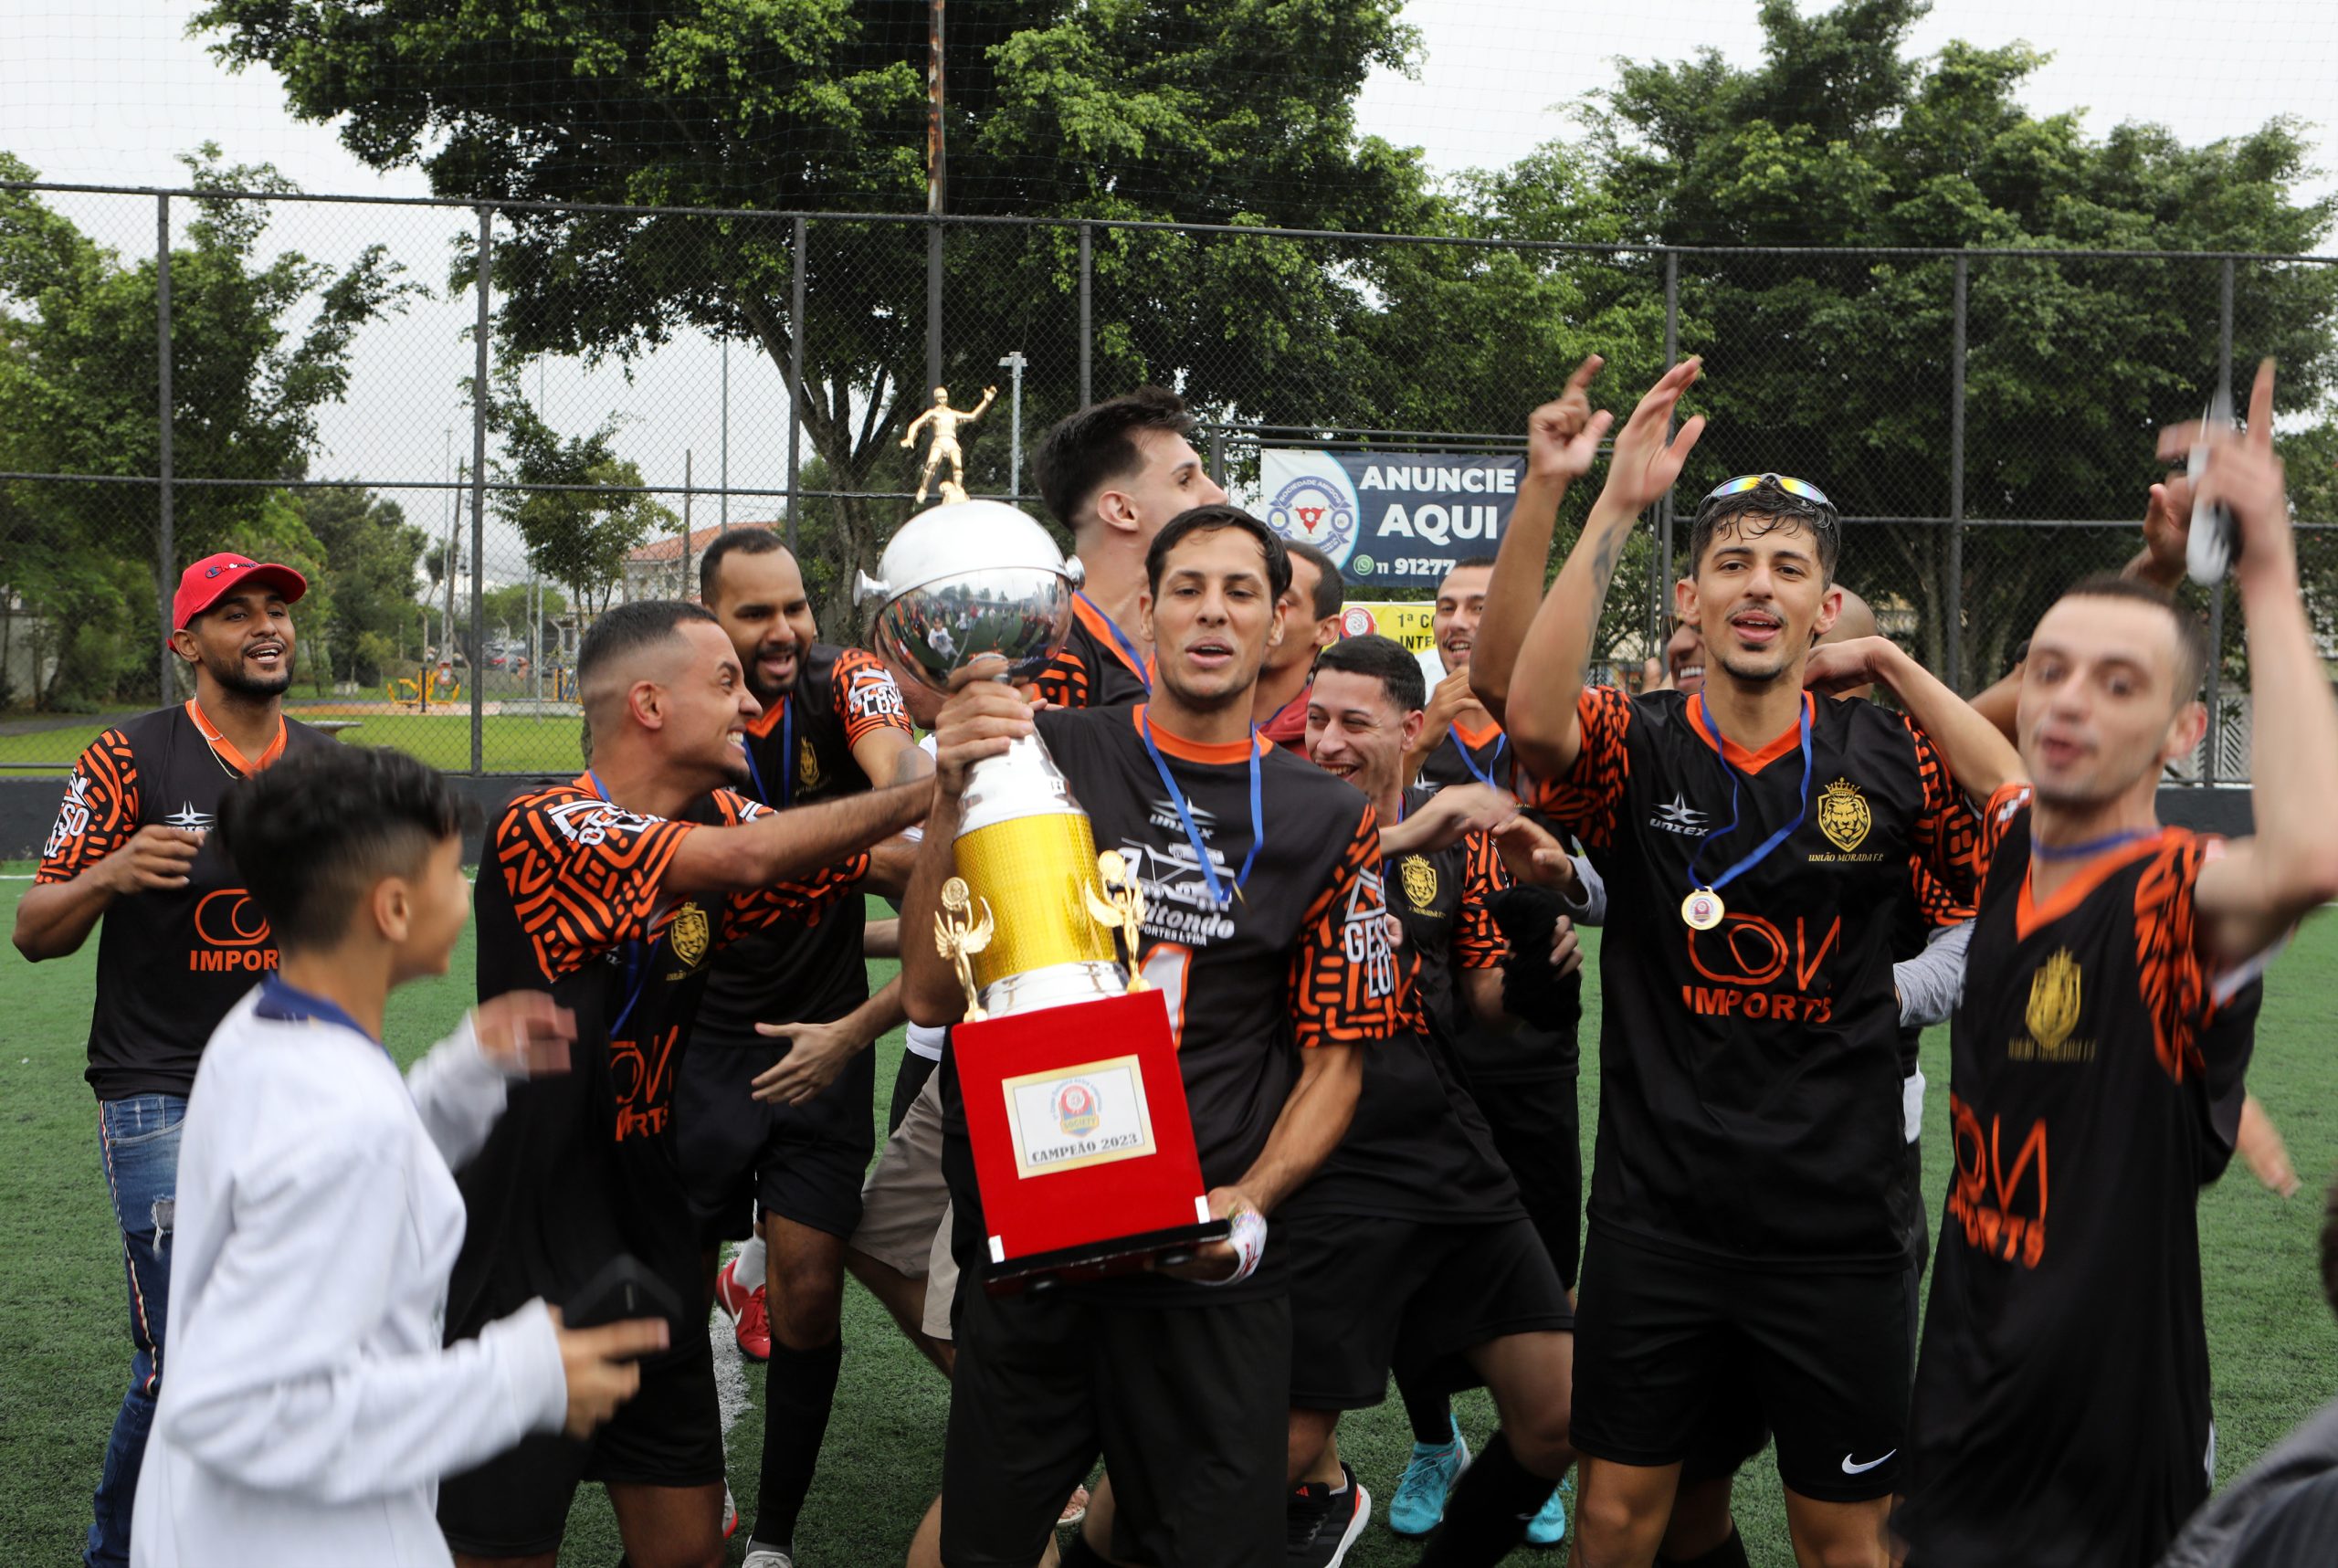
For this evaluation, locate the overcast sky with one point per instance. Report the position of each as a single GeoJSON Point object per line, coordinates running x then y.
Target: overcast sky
{"type": "Point", "coordinates": [108, 91]}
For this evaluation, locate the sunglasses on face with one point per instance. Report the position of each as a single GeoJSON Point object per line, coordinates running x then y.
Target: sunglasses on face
{"type": "Point", "coordinates": [1786, 482]}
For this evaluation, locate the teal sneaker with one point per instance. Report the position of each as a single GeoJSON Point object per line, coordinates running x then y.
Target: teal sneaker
{"type": "Point", "coordinates": [1429, 1475]}
{"type": "Point", "coordinates": [1550, 1526]}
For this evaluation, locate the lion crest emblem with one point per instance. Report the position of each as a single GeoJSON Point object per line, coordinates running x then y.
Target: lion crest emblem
{"type": "Point", "coordinates": [2053, 1010]}
{"type": "Point", "coordinates": [1843, 815]}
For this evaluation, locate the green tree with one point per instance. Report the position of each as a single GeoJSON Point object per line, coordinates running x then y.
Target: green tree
{"type": "Point", "coordinates": [590, 513]}
{"type": "Point", "coordinates": [372, 556]}
{"type": "Point", "coordinates": [78, 384]}
{"type": "Point", "coordinates": [1219, 110]}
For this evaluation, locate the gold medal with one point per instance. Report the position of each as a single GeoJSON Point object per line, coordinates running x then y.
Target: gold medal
{"type": "Point", "coordinates": [1703, 909]}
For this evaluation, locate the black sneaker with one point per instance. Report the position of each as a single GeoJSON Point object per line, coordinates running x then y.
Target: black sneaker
{"type": "Point", "coordinates": [1322, 1523]}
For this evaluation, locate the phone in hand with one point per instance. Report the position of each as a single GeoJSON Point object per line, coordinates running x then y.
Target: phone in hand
{"type": "Point", "coordinates": [2208, 551]}
{"type": "Point", "coordinates": [625, 1288]}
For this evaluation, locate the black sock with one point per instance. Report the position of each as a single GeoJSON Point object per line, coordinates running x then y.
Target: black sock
{"type": "Point", "coordinates": [1488, 1511]}
{"type": "Point", "coordinates": [799, 1390]}
{"type": "Point", "coordinates": [1730, 1554]}
{"type": "Point", "coordinates": [1426, 1407]}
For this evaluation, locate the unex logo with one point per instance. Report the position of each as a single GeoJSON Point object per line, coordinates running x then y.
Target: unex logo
{"type": "Point", "coordinates": [1677, 816]}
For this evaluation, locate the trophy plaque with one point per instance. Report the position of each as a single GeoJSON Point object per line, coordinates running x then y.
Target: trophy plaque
{"type": "Point", "coordinates": [1075, 1104]}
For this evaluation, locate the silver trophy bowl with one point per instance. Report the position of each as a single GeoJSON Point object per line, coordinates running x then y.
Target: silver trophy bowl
{"type": "Point", "coordinates": [971, 578]}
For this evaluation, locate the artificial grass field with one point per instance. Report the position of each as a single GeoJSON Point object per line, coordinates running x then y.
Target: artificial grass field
{"type": "Point", "coordinates": [65, 1350]}
{"type": "Point", "coordinates": [515, 743]}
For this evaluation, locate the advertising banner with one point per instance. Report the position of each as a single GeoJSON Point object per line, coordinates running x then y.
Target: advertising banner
{"type": "Point", "coordinates": [1389, 518]}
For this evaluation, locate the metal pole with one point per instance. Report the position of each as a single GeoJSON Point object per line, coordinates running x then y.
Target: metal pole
{"type": "Point", "coordinates": [166, 545]}
{"type": "Point", "coordinates": [1087, 335]}
{"type": "Point", "coordinates": [1953, 608]}
{"type": "Point", "coordinates": [794, 374]}
{"type": "Point", "coordinates": [724, 511]}
{"type": "Point", "coordinates": [1016, 362]}
{"type": "Point", "coordinates": [1660, 590]}
{"type": "Point", "coordinates": [937, 162]}
{"type": "Point", "coordinates": [685, 591]}
{"type": "Point", "coordinates": [2214, 740]}
{"type": "Point", "coordinates": [1217, 455]}
{"type": "Point", "coordinates": [479, 492]}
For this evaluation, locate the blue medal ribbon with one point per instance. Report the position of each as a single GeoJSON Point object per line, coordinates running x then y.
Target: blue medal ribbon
{"type": "Point", "coordinates": [638, 954]}
{"type": "Point", "coordinates": [787, 758]}
{"type": "Point", "coordinates": [1185, 812]}
{"type": "Point", "coordinates": [1483, 775]}
{"type": "Point", "coordinates": [1705, 712]}
{"type": "Point", "coordinates": [2091, 847]}
{"type": "Point", "coordinates": [281, 1002]}
{"type": "Point", "coordinates": [1128, 648]}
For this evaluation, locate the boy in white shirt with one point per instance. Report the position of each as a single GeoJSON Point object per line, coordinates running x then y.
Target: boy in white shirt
{"type": "Point", "coordinates": [310, 1407]}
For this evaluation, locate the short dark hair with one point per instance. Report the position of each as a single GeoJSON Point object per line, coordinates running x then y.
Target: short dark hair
{"type": "Point", "coordinates": [1209, 520]}
{"type": "Point", "coordinates": [1775, 508]}
{"type": "Point", "coordinates": [1385, 660]}
{"type": "Point", "coordinates": [629, 629]}
{"type": "Point", "coordinates": [1327, 577]}
{"type": "Point", "coordinates": [311, 834]}
{"type": "Point", "coordinates": [747, 540]}
{"type": "Point", "coordinates": [1085, 451]}
{"type": "Point", "coordinates": [2191, 631]}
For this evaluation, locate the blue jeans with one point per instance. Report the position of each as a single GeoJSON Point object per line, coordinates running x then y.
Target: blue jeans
{"type": "Point", "coordinates": [139, 1138]}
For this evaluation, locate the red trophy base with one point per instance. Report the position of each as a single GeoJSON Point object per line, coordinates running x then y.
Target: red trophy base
{"type": "Point", "coordinates": [1084, 1150]}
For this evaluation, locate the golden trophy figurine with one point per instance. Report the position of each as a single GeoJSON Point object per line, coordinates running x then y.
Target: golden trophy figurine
{"type": "Point", "coordinates": [945, 421]}
{"type": "Point", "coordinates": [958, 935]}
{"type": "Point", "coordinates": [1121, 907]}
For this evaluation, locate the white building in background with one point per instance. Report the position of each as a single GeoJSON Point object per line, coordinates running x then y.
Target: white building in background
{"type": "Point", "coordinates": [658, 570]}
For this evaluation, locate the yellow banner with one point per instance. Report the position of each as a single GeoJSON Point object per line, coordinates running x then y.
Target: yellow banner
{"type": "Point", "coordinates": [1408, 623]}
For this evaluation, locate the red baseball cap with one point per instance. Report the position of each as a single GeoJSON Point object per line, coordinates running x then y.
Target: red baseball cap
{"type": "Point", "coordinates": [214, 578]}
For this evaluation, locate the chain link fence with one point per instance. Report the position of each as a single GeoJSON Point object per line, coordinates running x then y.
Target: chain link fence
{"type": "Point", "coordinates": [472, 462]}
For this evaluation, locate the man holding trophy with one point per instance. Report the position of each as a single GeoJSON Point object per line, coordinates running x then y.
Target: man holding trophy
{"type": "Point", "coordinates": [1243, 887]}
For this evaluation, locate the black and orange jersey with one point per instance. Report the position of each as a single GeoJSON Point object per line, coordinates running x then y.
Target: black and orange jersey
{"type": "Point", "coordinates": [580, 1168]}
{"type": "Point", "coordinates": [2061, 1408]}
{"type": "Point", "coordinates": [1750, 1083]}
{"type": "Point", "coordinates": [799, 751]}
{"type": "Point", "coordinates": [1465, 755]}
{"type": "Point", "coordinates": [1301, 957]}
{"type": "Point", "coordinates": [1099, 666]}
{"type": "Point", "coordinates": [171, 961]}
{"type": "Point", "coordinates": [1419, 1147]}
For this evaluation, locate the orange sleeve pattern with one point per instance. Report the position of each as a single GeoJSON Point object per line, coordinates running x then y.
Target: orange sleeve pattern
{"type": "Point", "coordinates": [1477, 940]}
{"type": "Point", "coordinates": [802, 900]}
{"type": "Point", "coordinates": [583, 875]}
{"type": "Point", "coordinates": [100, 813]}
{"type": "Point", "coordinates": [1343, 987]}
{"type": "Point", "coordinates": [2168, 966]}
{"type": "Point", "coordinates": [1947, 868]}
{"type": "Point", "coordinates": [867, 696]}
{"type": "Point", "coordinates": [2010, 801]}
{"type": "Point", "coordinates": [1586, 802]}
{"type": "Point", "coordinates": [1064, 682]}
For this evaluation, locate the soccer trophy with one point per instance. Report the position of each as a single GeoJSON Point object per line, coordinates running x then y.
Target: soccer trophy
{"type": "Point", "coordinates": [1083, 1149]}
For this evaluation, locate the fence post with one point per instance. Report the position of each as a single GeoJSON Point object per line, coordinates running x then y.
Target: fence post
{"type": "Point", "coordinates": [1087, 332]}
{"type": "Point", "coordinates": [1659, 590]}
{"type": "Point", "coordinates": [2213, 741]}
{"type": "Point", "coordinates": [167, 550]}
{"type": "Point", "coordinates": [1217, 455]}
{"type": "Point", "coordinates": [795, 371]}
{"type": "Point", "coordinates": [479, 495]}
{"type": "Point", "coordinates": [682, 588]}
{"type": "Point", "coordinates": [1953, 609]}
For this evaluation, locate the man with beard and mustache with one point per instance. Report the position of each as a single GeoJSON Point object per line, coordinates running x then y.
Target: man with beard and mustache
{"type": "Point", "coordinates": [773, 1104]}
{"type": "Point", "coordinates": [182, 944]}
{"type": "Point", "coordinates": [613, 892]}
{"type": "Point", "coordinates": [1749, 1198]}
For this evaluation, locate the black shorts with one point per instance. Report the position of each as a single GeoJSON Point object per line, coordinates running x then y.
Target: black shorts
{"type": "Point", "coordinates": [1538, 1133]}
{"type": "Point", "coordinates": [1660, 1338]}
{"type": "Point", "coordinates": [1185, 1402]}
{"type": "Point", "coordinates": [803, 1163]}
{"type": "Point", "coordinates": [1367, 1292]}
{"type": "Point", "coordinates": [669, 1434]}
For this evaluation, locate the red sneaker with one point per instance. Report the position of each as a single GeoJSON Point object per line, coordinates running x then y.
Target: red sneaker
{"type": "Point", "coordinates": [748, 1311]}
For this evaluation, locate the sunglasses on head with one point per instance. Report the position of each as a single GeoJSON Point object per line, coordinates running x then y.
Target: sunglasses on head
{"type": "Point", "coordinates": [1786, 482]}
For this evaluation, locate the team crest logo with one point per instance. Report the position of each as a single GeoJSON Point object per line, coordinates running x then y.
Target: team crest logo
{"type": "Point", "coordinates": [807, 764]}
{"type": "Point", "coordinates": [691, 935]}
{"type": "Point", "coordinates": [1078, 1110]}
{"type": "Point", "coordinates": [1843, 815]}
{"type": "Point", "coordinates": [1313, 508]}
{"type": "Point", "coordinates": [2053, 1009]}
{"type": "Point", "coordinates": [1421, 881]}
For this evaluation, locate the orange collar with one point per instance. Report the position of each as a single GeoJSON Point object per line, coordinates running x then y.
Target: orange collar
{"type": "Point", "coordinates": [1103, 628]}
{"type": "Point", "coordinates": [1787, 740]}
{"type": "Point", "coordinates": [1176, 745]}
{"type": "Point", "coordinates": [1474, 738]}
{"type": "Point", "coordinates": [760, 725]}
{"type": "Point", "coordinates": [2030, 916]}
{"type": "Point", "coordinates": [226, 749]}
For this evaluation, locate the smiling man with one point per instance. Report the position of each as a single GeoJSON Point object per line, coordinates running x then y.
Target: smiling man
{"type": "Point", "coordinates": [1750, 1199]}
{"type": "Point", "coordinates": [182, 943]}
{"type": "Point", "coordinates": [613, 892]}
{"type": "Point", "coordinates": [1266, 930]}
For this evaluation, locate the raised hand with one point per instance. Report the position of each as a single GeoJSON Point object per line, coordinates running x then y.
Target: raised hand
{"type": "Point", "coordinates": [983, 717]}
{"type": "Point", "coordinates": [1563, 435]}
{"type": "Point", "coordinates": [525, 1034]}
{"type": "Point", "coordinates": [2243, 475]}
{"type": "Point", "coordinates": [1647, 457]}
{"type": "Point", "coordinates": [1839, 667]}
